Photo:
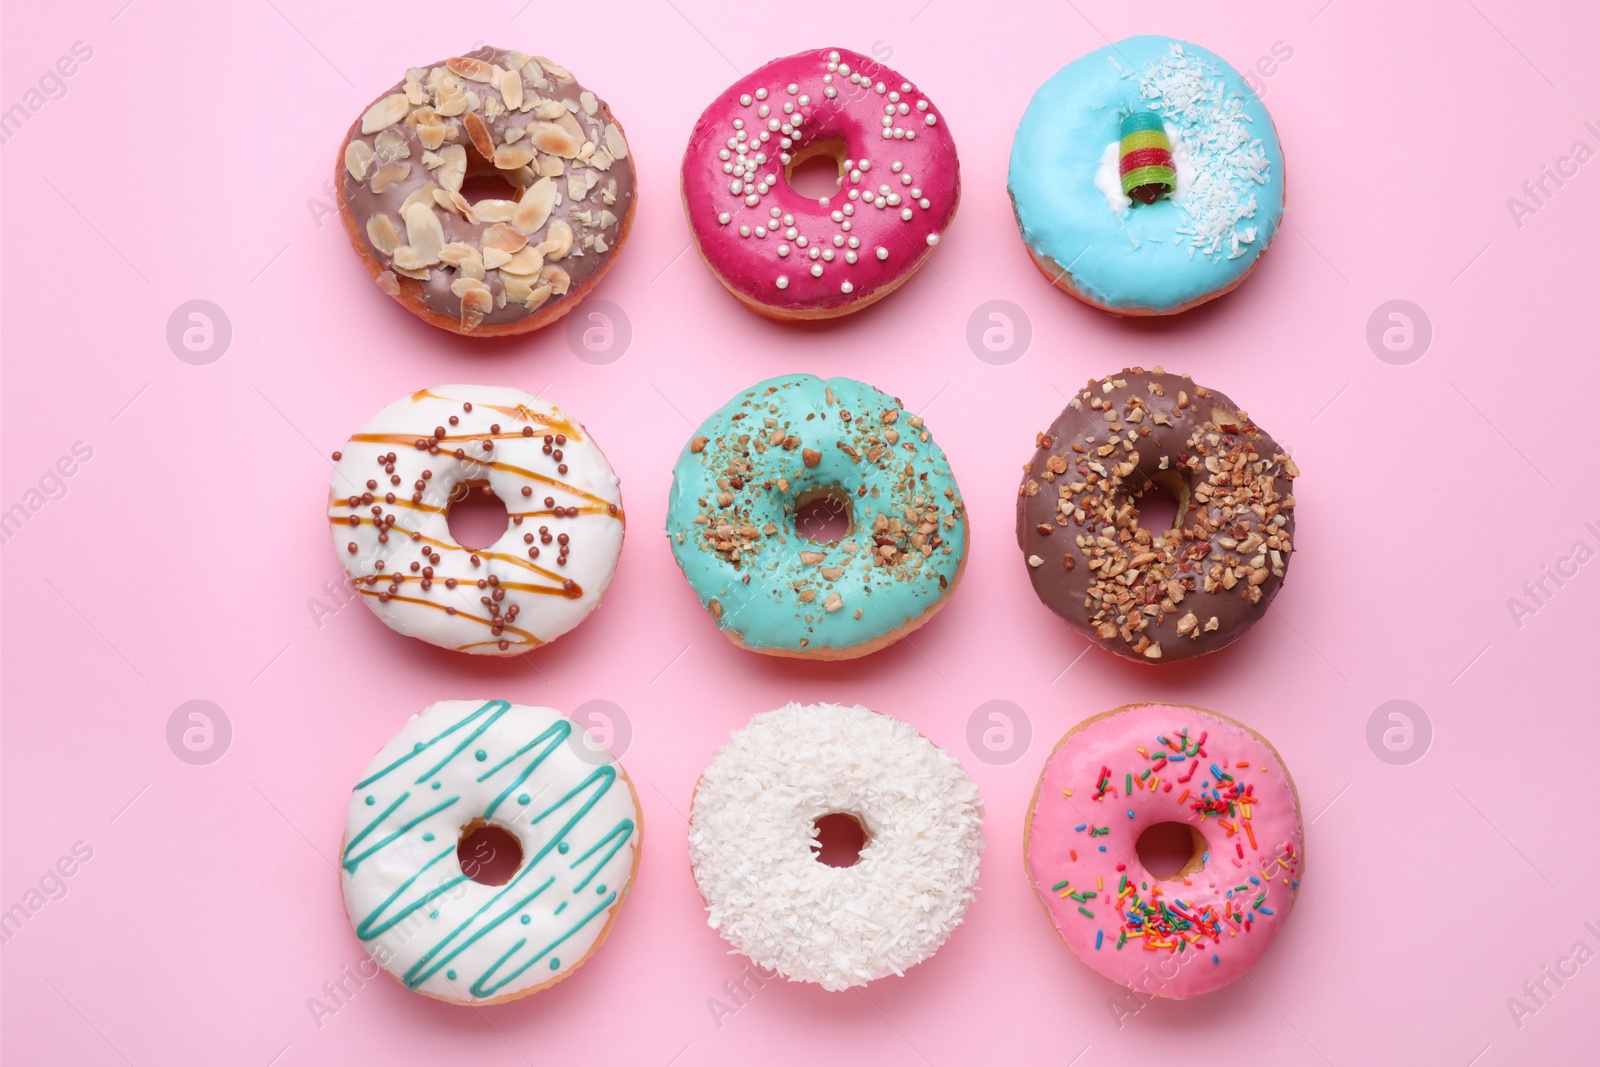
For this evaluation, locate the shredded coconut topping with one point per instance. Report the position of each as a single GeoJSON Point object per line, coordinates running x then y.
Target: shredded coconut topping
{"type": "Point", "coordinates": [752, 828]}
{"type": "Point", "coordinates": [1226, 158]}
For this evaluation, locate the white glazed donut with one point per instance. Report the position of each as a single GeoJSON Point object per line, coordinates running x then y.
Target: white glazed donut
{"type": "Point", "coordinates": [752, 828]}
{"type": "Point", "coordinates": [391, 491]}
{"type": "Point", "coordinates": [460, 764]}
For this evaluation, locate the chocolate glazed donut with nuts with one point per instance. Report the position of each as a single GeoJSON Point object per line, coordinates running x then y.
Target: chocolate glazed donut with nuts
{"type": "Point", "coordinates": [1156, 595]}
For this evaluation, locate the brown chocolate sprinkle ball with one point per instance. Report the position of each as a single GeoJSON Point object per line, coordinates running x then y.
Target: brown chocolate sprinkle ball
{"type": "Point", "coordinates": [1166, 594]}
{"type": "Point", "coordinates": [500, 598]}
{"type": "Point", "coordinates": [520, 257]}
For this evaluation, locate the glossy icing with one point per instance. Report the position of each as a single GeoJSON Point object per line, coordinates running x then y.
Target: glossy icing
{"type": "Point", "coordinates": [1118, 774]}
{"type": "Point", "coordinates": [772, 246]}
{"type": "Point", "coordinates": [1156, 594]}
{"type": "Point", "coordinates": [543, 576]}
{"type": "Point", "coordinates": [786, 438]}
{"type": "Point", "coordinates": [1174, 252]}
{"type": "Point", "coordinates": [752, 828]}
{"type": "Point", "coordinates": [527, 771]}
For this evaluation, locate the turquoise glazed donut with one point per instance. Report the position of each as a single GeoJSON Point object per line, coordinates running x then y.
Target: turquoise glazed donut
{"type": "Point", "coordinates": [1194, 242]}
{"type": "Point", "coordinates": [779, 452]}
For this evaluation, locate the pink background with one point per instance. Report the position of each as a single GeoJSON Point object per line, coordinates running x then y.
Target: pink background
{"type": "Point", "coordinates": [190, 157]}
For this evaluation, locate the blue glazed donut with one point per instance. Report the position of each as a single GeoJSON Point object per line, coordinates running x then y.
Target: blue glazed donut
{"type": "Point", "coordinates": [1194, 244]}
{"type": "Point", "coordinates": [774, 452]}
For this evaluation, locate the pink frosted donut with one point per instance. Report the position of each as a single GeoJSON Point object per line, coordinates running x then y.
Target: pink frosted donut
{"type": "Point", "coordinates": [789, 256]}
{"type": "Point", "coordinates": [1116, 775]}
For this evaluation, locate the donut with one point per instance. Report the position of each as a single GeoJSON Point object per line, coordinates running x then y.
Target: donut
{"type": "Point", "coordinates": [753, 831]}
{"type": "Point", "coordinates": [390, 495]}
{"type": "Point", "coordinates": [736, 519]}
{"type": "Point", "coordinates": [453, 768]}
{"type": "Point", "coordinates": [788, 256]}
{"type": "Point", "coordinates": [514, 261]}
{"type": "Point", "coordinates": [1146, 177]}
{"type": "Point", "coordinates": [1146, 594]}
{"type": "Point", "coordinates": [1116, 775]}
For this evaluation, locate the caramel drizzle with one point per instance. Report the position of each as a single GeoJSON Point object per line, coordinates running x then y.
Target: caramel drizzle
{"type": "Point", "coordinates": [399, 502]}
{"type": "Point", "coordinates": [521, 411]}
{"type": "Point", "coordinates": [458, 613]}
{"type": "Point", "coordinates": [587, 509]}
{"type": "Point", "coordinates": [560, 590]}
{"type": "Point", "coordinates": [412, 439]}
{"type": "Point", "coordinates": [467, 584]}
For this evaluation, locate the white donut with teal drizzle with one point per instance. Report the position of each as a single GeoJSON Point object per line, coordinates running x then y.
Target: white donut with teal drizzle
{"type": "Point", "coordinates": [390, 496]}
{"type": "Point", "coordinates": [753, 826]}
{"type": "Point", "coordinates": [1131, 258]}
{"type": "Point", "coordinates": [529, 771]}
{"type": "Point", "coordinates": [776, 448]}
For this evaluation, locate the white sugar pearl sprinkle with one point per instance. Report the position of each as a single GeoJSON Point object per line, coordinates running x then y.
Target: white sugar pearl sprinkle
{"type": "Point", "coordinates": [883, 253]}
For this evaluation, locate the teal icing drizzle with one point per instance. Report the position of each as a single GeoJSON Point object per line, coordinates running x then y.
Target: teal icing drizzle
{"type": "Point", "coordinates": [484, 988]}
{"type": "Point", "coordinates": [1135, 257]}
{"type": "Point", "coordinates": [565, 818]}
{"type": "Point", "coordinates": [837, 595]}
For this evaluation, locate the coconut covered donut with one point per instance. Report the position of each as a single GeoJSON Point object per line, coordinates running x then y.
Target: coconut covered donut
{"type": "Point", "coordinates": [1147, 177]}
{"type": "Point", "coordinates": [752, 832]}
{"type": "Point", "coordinates": [1156, 594]}
{"type": "Point", "coordinates": [788, 256]}
{"type": "Point", "coordinates": [740, 488]}
{"type": "Point", "coordinates": [460, 765]}
{"type": "Point", "coordinates": [1114, 776]}
{"type": "Point", "coordinates": [390, 495]}
{"type": "Point", "coordinates": [505, 264]}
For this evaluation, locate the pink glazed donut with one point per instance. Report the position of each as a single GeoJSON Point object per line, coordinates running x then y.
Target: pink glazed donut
{"type": "Point", "coordinates": [1116, 775]}
{"type": "Point", "coordinates": [792, 257]}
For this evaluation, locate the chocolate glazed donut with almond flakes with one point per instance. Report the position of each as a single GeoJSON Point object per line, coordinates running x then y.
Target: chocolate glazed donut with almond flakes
{"type": "Point", "coordinates": [1156, 595]}
{"type": "Point", "coordinates": [505, 264]}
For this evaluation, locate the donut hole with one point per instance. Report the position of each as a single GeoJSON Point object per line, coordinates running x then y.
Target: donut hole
{"type": "Point", "coordinates": [489, 185]}
{"type": "Point", "coordinates": [488, 854]}
{"type": "Point", "coordinates": [838, 839]}
{"type": "Point", "coordinates": [1162, 503]}
{"type": "Point", "coordinates": [816, 171]}
{"type": "Point", "coordinates": [1171, 850]}
{"type": "Point", "coordinates": [823, 515]}
{"type": "Point", "coordinates": [477, 518]}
